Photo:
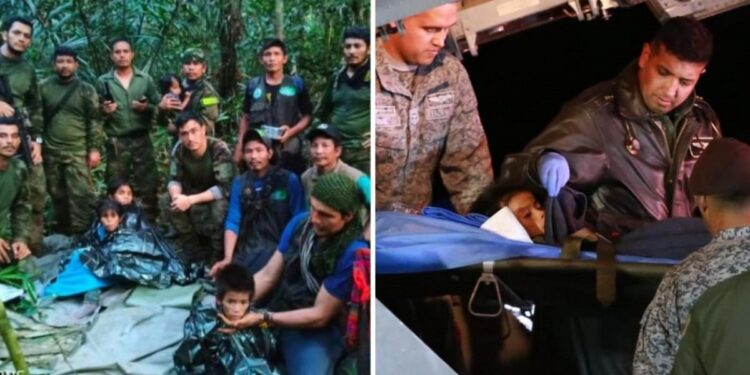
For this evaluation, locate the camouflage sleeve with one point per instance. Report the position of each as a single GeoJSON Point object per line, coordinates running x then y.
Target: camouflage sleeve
{"type": "Point", "coordinates": [325, 106]}
{"type": "Point", "coordinates": [209, 104]}
{"type": "Point", "coordinates": [466, 166]}
{"type": "Point", "coordinates": [152, 93]}
{"type": "Point", "coordinates": [33, 103]}
{"type": "Point", "coordinates": [94, 128]}
{"type": "Point", "coordinates": [175, 167]}
{"type": "Point", "coordinates": [21, 210]}
{"type": "Point", "coordinates": [99, 86]}
{"type": "Point", "coordinates": [223, 167]}
{"type": "Point", "coordinates": [659, 335]}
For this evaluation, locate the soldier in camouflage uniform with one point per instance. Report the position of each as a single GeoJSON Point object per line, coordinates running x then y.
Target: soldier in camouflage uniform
{"type": "Point", "coordinates": [721, 184]}
{"type": "Point", "coordinates": [426, 118]}
{"type": "Point", "coordinates": [73, 139]}
{"type": "Point", "coordinates": [200, 174]}
{"type": "Point", "coordinates": [15, 207]}
{"type": "Point", "coordinates": [203, 98]}
{"type": "Point", "coordinates": [20, 75]}
{"type": "Point", "coordinates": [346, 102]}
{"type": "Point", "coordinates": [129, 102]}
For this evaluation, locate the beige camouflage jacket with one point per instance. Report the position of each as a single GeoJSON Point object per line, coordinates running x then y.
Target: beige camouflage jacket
{"type": "Point", "coordinates": [433, 125]}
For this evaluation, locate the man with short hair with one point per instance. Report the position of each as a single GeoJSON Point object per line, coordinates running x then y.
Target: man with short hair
{"type": "Point", "coordinates": [325, 153]}
{"type": "Point", "coordinates": [199, 177]}
{"type": "Point", "coordinates": [721, 184]}
{"type": "Point", "coordinates": [15, 207]}
{"type": "Point", "coordinates": [202, 97]}
{"type": "Point", "coordinates": [630, 144]}
{"type": "Point", "coordinates": [129, 103]}
{"type": "Point", "coordinates": [277, 100]}
{"type": "Point", "coordinates": [310, 275]}
{"type": "Point", "coordinates": [346, 101]}
{"type": "Point", "coordinates": [261, 203]}
{"type": "Point", "coordinates": [20, 76]}
{"type": "Point", "coordinates": [73, 140]}
{"type": "Point", "coordinates": [426, 117]}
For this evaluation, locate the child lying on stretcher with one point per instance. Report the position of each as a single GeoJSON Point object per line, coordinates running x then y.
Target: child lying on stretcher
{"type": "Point", "coordinates": [530, 212]}
{"type": "Point", "coordinates": [207, 349]}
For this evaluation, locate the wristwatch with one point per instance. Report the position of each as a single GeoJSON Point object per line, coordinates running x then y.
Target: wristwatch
{"type": "Point", "coordinates": [267, 317]}
{"type": "Point", "coordinates": [38, 140]}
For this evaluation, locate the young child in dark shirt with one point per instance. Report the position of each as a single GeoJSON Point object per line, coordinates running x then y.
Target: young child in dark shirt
{"type": "Point", "coordinates": [206, 350]}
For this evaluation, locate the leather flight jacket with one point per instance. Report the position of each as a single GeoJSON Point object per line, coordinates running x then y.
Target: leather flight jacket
{"type": "Point", "coordinates": [620, 156]}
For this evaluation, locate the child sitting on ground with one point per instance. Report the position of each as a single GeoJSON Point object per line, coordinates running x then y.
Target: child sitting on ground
{"type": "Point", "coordinates": [206, 350]}
{"type": "Point", "coordinates": [110, 214]}
{"type": "Point", "coordinates": [121, 192]}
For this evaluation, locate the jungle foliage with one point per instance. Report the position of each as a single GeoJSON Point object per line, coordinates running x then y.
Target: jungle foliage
{"type": "Point", "coordinates": [229, 31]}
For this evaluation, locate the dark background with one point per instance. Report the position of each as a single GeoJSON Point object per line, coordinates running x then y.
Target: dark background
{"type": "Point", "coordinates": [522, 80]}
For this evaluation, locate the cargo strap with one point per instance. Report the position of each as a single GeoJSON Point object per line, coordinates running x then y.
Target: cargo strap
{"type": "Point", "coordinates": [571, 248]}
{"type": "Point", "coordinates": [606, 289]}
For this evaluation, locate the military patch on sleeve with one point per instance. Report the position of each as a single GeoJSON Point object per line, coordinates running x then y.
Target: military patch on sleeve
{"type": "Point", "coordinates": [209, 101]}
{"type": "Point", "coordinates": [440, 106]}
{"type": "Point", "coordinates": [386, 117]}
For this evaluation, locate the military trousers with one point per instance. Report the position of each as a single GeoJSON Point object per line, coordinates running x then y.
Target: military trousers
{"type": "Point", "coordinates": [200, 230]}
{"type": "Point", "coordinates": [357, 157]}
{"type": "Point", "coordinates": [37, 197]}
{"type": "Point", "coordinates": [71, 188]}
{"type": "Point", "coordinates": [132, 158]}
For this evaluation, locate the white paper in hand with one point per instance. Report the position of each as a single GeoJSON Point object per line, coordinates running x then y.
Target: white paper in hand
{"type": "Point", "coordinates": [504, 223]}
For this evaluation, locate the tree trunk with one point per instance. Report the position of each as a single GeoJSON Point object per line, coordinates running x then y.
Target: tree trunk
{"type": "Point", "coordinates": [279, 19]}
{"type": "Point", "coordinates": [230, 33]}
{"type": "Point", "coordinates": [11, 342]}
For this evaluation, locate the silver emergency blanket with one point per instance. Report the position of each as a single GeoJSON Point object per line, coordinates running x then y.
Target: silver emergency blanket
{"type": "Point", "coordinates": [137, 255]}
{"type": "Point", "coordinates": [207, 351]}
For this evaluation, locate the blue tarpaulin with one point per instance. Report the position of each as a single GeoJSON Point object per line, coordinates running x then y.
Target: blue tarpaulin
{"type": "Point", "coordinates": [411, 244]}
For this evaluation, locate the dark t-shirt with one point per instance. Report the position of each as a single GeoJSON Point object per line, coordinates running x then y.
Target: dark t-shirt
{"type": "Point", "coordinates": [339, 282]}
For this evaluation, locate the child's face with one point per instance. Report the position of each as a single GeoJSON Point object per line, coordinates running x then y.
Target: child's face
{"type": "Point", "coordinates": [123, 195]}
{"type": "Point", "coordinates": [110, 220]}
{"type": "Point", "coordinates": [234, 304]}
{"type": "Point", "coordinates": [528, 211]}
{"type": "Point", "coordinates": [175, 89]}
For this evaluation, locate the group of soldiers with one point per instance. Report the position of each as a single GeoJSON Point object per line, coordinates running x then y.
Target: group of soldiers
{"type": "Point", "coordinates": [69, 126]}
{"type": "Point", "coordinates": [257, 218]}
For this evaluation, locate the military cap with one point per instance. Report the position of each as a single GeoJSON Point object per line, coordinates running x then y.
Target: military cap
{"type": "Point", "coordinates": [193, 54]}
{"type": "Point", "coordinates": [722, 169]}
{"type": "Point", "coordinates": [327, 131]}
{"type": "Point", "coordinates": [256, 135]}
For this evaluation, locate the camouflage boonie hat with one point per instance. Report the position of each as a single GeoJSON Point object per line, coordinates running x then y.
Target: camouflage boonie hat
{"type": "Point", "coordinates": [193, 54]}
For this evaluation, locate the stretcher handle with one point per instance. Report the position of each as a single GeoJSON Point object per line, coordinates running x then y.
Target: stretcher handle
{"type": "Point", "coordinates": [487, 277]}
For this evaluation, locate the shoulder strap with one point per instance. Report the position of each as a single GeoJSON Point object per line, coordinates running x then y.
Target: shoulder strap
{"type": "Point", "coordinates": [298, 83]}
{"type": "Point", "coordinates": [49, 115]}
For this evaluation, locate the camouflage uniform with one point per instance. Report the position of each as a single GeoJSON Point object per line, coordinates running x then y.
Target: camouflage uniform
{"type": "Point", "coordinates": [129, 151]}
{"type": "Point", "coordinates": [427, 124]}
{"type": "Point", "coordinates": [15, 207]}
{"type": "Point", "coordinates": [23, 85]}
{"type": "Point", "coordinates": [70, 134]}
{"type": "Point", "coordinates": [204, 100]}
{"type": "Point", "coordinates": [200, 229]}
{"type": "Point", "coordinates": [727, 255]}
{"type": "Point", "coordinates": [346, 105]}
